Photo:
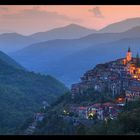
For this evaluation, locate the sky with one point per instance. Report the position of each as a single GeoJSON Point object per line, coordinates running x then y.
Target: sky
{"type": "Point", "coordinates": [29, 19]}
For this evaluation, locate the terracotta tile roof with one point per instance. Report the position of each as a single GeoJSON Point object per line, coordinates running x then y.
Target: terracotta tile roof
{"type": "Point", "coordinates": [108, 104]}
{"type": "Point", "coordinates": [82, 108]}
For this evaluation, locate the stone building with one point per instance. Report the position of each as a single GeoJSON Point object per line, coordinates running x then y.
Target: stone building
{"type": "Point", "coordinates": [114, 77]}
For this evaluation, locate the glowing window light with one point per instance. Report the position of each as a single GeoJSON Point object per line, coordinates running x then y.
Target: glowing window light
{"type": "Point", "coordinates": [120, 99]}
{"type": "Point", "coordinates": [135, 76]}
{"type": "Point", "coordinates": [91, 114]}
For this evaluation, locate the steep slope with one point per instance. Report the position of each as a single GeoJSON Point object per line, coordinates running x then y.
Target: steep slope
{"type": "Point", "coordinates": [121, 26]}
{"type": "Point", "coordinates": [5, 58]}
{"type": "Point", "coordinates": [22, 94]}
{"type": "Point", "coordinates": [10, 42]}
{"type": "Point", "coordinates": [67, 32]}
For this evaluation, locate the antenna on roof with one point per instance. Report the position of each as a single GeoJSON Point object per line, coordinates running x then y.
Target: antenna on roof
{"type": "Point", "coordinates": [129, 49]}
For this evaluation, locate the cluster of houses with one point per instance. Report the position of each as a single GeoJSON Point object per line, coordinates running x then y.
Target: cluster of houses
{"type": "Point", "coordinates": [121, 76]}
{"type": "Point", "coordinates": [100, 111]}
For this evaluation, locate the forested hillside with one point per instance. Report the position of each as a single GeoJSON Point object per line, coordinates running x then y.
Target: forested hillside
{"type": "Point", "coordinates": [22, 93]}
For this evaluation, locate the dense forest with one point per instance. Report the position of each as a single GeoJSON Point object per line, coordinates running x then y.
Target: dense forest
{"type": "Point", "coordinates": [22, 93]}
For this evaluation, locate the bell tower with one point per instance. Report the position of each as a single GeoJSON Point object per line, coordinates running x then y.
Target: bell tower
{"type": "Point", "coordinates": [129, 55]}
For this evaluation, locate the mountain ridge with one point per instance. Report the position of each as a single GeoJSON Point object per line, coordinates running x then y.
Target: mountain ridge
{"type": "Point", "coordinates": [70, 31]}
{"type": "Point", "coordinates": [122, 25]}
{"type": "Point", "coordinates": [44, 58]}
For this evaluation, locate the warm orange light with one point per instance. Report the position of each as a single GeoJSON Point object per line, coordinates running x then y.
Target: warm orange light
{"type": "Point", "coordinates": [124, 61]}
{"type": "Point", "coordinates": [135, 76]}
{"type": "Point", "coordinates": [119, 99]}
{"type": "Point", "coordinates": [128, 56]}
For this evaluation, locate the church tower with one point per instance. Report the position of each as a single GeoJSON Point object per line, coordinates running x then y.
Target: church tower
{"type": "Point", "coordinates": [128, 55]}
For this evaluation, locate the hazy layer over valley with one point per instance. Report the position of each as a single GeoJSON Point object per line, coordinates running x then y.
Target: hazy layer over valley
{"type": "Point", "coordinates": [67, 59]}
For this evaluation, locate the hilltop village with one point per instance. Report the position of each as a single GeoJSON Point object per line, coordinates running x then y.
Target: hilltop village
{"type": "Point", "coordinates": [118, 77]}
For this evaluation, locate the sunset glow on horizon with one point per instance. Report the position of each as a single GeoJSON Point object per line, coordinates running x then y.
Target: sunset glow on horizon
{"type": "Point", "coordinates": [30, 19]}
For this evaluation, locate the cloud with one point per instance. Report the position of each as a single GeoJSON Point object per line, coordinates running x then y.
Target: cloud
{"type": "Point", "coordinates": [31, 20]}
{"type": "Point", "coordinates": [97, 12]}
{"type": "Point", "coordinates": [36, 7]}
{"type": "Point", "coordinates": [36, 13]}
{"type": "Point", "coordinates": [3, 8]}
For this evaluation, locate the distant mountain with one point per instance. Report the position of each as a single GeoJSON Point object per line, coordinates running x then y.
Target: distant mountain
{"type": "Point", "coordinates": [22, 94]}
{"type": "Point", "coordinates": [10, 42]}
{"type": "Point", "coordinates": [67, 32]}
{"type": "Point", "coordinates": [62, 58]}
{"type": "Point", "coordinates": [121, 26]}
